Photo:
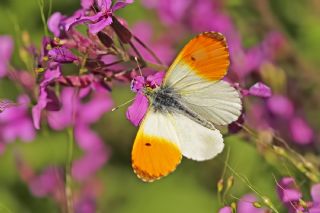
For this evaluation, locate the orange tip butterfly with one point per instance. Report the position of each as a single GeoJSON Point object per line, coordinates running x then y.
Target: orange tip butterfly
{"type": "Point", "coordinates": [184, 111]}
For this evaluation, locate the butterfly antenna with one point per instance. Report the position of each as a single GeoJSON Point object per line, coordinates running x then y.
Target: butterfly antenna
{"type": "Point", "coordinates": [136, 59]}
{"type": "Point", "coordinates": [121, 105]}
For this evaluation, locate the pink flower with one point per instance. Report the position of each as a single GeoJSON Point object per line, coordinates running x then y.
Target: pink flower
{"type": "Point", "coordinates": [260, 90]}
{"type": "Point", "coordinates": [280, 106]}
{"type": "Point", "coordinates": [137, 110]}
{"type": "Point", "coordinates": [6, 47]}
{"type": "Point", "coordinates": [301, 132]}
{"type": "Point", "coordinates": [102, 18]}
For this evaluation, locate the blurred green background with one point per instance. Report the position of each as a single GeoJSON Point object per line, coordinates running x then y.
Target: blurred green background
{"type": "Point", "coordinates": [192, 187]}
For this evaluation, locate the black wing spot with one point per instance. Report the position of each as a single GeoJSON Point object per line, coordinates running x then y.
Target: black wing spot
{"type": "Point", "coordinates": [193, 58]}
{"type": "Point", "coordinates": [147, 144]}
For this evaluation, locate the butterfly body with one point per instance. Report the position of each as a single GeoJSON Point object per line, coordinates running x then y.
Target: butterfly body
{"type": "Point", "coordinates": [167, 100]}
{"type": "Point", "coordinates": [184, 110]}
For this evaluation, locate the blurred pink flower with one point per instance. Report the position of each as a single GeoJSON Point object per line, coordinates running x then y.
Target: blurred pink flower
{"type": "Point", "coordinates": [100, 19]}
{"type": "Point", "coordinates": [245, 205]}
{"type": "Point", "coordinates": [226, 209]}
{"type": "Point", "coordinates": [260, 90]}
{"type": "Point", "coordinates": [47, 98]}
{"type": "Point", "coordinates": [301, 132]}
{"type": "Point", "coordinates": [81, 115]}
{"type": "Point", "coordinates": [280, 106]}
{"type": "Point", "coordinates": [6, 48]}
{"type": "Point", "coordinates": [16, 123]}
{"type": "Point", "coordinates": [47, 183]}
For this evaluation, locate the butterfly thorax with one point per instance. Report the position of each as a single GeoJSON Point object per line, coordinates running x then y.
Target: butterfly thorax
{"type": "Point", "coordinates": [167, 100]}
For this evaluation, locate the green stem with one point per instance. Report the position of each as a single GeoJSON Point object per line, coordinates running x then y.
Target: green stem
{"type": "Point", "coordinates": [43, 17]}
{"type": "Point", "coordinates": [68, 187]}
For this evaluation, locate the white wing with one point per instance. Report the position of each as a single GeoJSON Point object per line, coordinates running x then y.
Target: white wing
{"type": "Point", "coordinates": [194, 140]}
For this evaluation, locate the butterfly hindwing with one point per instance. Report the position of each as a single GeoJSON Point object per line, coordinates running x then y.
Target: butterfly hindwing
{"type": "Point", "coordinates": [164, 137]}
{"type": "Point", "coordinates": [155, 150]}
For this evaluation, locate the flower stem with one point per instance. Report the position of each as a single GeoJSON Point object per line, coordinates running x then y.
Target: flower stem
{"type": "Point", "coordinates": [68, 186]}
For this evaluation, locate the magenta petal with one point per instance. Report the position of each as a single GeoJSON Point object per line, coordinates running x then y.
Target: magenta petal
{"type": "Point", "coordinates": [100, 25]}
{"type": "Point", "coordinates": [315, 193]}
{"type": "Point", "coordinates": [87, 4]}
{"type": "Point", "coordinates": [104, 5]}
{"type": "Point", "coordinates": [260, 90]}
{"type": "Point", "coordinates": [226, 209]}
{"type": "Point", "coordinates": [46, 183]}
{"type": "Point", "coordinates": [62, 55]}
{"type": "Point", "coordinates": [245, 205]}
{"type": "Point", "coordinates": [156, 79]}
{"type": "Point", "coordinates": [137, 83]}
{"type": "Point", "coordinates": [79, 18]}
{"type": "Point", "coordinates": [287, 190]}
{"type": "Point", "coordinates": [121, 4]}
{"type": "Point", "coordinates": [300, 131]}
{"type": "Point", "coordinates": [281, 106]}
{"type": "Point", "coordinates": [6, 47]}
{"type": "Point", "coordinates": [138, 109]}
{"type": "Point", "coordinates": [54, 23]}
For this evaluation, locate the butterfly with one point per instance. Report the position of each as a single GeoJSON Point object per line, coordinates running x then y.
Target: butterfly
{"type": "Point", "coordinates": [186, 109]}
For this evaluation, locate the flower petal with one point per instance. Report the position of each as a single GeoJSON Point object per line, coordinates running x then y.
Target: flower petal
{"type": "Point", "coordinates": [87, 4]}
{"type": "Point", "coordinates": [62, 55]}
{"type": "Point", "coordinates": [260, 90]}
{"type": "Point", "coordinates": [121, 4]}
{"type": "Point", "coordinates": [54, 23]}
{"type": "Point", "coordinates": [245, 205]}
{"type": "Point", "coordinates": [315, 193]}
{"type": "Point", "coordinates": [138, 109]}
{"type": "Point", "coordinates": [301, 132]}
{"type": "Point", "coordinates": [137, 83]}
{"type": "Point", "coordinates": [156, 79]}
{"type": "Point", "coordinates": [287, 190]}
{"type": "Point", "coordinates": [100, 25]}
{"type": "Point", "coordinates": [6, 47]}
{"type": "Point", "coordinates": [226, 209]}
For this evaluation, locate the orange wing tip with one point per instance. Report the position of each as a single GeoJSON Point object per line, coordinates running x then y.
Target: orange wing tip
{"type": "Point", "coordinates": [149, 178]}
{"type": "Point", "coordinates": [216, 36]}
{"type": "Point", "coordinates": [207, 55]}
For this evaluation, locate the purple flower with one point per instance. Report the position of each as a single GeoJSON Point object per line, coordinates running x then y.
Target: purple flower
{"type": "Point", "coordinates": [6, 47]}
{"type": "Point", "coordinates": [5, 104]}
{"type": "Point", "coordinates": [15, 123]}
{"type": "Point", "coordinates": [280, 106]}
{"type": "Point", "coordinates": [55, 23]}
{"type": "Point", "coordinates": [288, 191]}
{"type": "Point", "coordinates": [245, 205]}
{"type": "Point", "coordinates": [260, 90]}
{"type": "Point", "coordinates": [226, 209]}
{"type": "Point", "coordinates": [301, 132]}
{"type": "Point", "coordinates": [81, 115]}
{"type": "Point", "coordinates": [86, 204]}
{"type": "Point", "coordinates": [102, 18]}
{"type": "Point", "coordinates": [46, 183]}
{"type": "Point", "coordinates": [137, 110]}
{"type": "Point", "coordinates": [47, 98]}
{"type": "Point", "coordinates": [315, 193]}
{"type": "Point", "coordinates": [62, 55]}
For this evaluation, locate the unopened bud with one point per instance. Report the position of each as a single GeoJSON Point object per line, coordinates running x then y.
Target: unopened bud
{"type": "Point", "coordinates": [279, 150]}
{"type": "Point", "coordinates": [230, 182]}
{"type": "Point", "coordinates": [220, 185]}
{"type": "Point", "coordinates": [257, 204]}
